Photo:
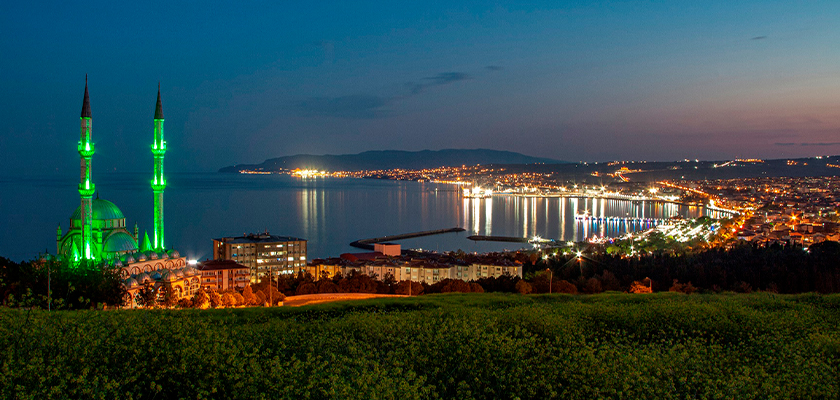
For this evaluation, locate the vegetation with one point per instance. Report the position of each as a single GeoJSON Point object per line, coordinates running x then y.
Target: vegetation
{"type": "Point", "coordinates": [458, 346]}
{"type": "Point", "coordinates": [55, 285]}
{"type": "Point", "coordinates": [744, 268]}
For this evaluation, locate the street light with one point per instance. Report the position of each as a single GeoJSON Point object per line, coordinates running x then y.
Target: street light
{"type": "Point", "coordinates": [550, 279]}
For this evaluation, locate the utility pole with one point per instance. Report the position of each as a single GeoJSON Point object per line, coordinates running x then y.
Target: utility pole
{"type": "Point", "coordinates": [270, 285]}
{"type": "Point", "coordinates": [550, 279]}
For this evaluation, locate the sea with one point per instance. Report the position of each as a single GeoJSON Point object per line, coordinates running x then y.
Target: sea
{"type": "Point", "coordinates": [329, 213]}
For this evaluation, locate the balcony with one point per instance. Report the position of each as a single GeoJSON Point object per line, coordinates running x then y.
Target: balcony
{"type": "Point", "coordinates": [86, 150]}
{"type": "Point", "coordinates": [159, 151]}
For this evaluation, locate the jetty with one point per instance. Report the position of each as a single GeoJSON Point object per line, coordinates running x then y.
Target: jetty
{"type": "Point", "coordinates": [367, 244]}
{"type": "Point", "coordinates": [490, 238]}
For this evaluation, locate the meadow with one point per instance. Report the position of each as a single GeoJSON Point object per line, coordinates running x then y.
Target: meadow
{"type": "Point", "coordinates": [453, 346]}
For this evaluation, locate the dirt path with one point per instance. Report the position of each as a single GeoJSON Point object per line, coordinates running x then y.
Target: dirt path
{"type": "Point", "coordinates": [307, 299]}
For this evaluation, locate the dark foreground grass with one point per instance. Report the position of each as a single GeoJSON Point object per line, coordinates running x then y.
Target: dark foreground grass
{"type": "Point", "coordinates": [455, 346]}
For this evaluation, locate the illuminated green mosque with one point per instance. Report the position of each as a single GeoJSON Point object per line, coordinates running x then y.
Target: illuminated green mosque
{"type": "Point", "coordinates": [97, 229]}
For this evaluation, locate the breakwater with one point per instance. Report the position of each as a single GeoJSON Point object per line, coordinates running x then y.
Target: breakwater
{"type": "Point", "coordinates": [367, 244]}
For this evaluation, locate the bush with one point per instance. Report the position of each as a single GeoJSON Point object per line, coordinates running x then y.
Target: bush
{"type": "Point", "coordinates": [523, 287]}
{"type": "Point", "coordinates": [564, 287]}
{"type": "Point", "coordinates": [686, 288]}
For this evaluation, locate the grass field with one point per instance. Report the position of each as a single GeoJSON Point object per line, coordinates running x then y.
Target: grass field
{"type": "Point", "coordinates": [454, 346]}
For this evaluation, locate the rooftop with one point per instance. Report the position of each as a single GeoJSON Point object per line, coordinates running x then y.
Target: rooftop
{"type": "Point", "coordinates": [213, 265]}
{"type": "Point", "coordinates": [259, 238]}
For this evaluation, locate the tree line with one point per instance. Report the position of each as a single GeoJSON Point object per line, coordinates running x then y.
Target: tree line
{"type": "Point", "coordinates": [744, 268]}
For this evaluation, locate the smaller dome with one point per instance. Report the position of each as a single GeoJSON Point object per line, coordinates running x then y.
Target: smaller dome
{"type": "Point", "coordinates": [156, 275]}
{"type": "Point", "coordinates": [118, 263]}
{"type": "Point", "coordinates": [129, 259]}
{"type": "Point", "coordinates": [140, 257]}
{"type": "Point", "coordinates": [179, 273]}
{"type": "Point", "coordinates": [144, 278]}
{"type": "Point", "coordinates": [189, 270]}
{"type": "Point", "coordinates": [174, 254]}
{"type": "Point", "coordinates": [120, 242]}
{"type": "Point", "coordinates": [170, 277]}
{"type": "Point", "coordinates": [152, 255]}
{"type": "Point", "coordinates": [131, 282]}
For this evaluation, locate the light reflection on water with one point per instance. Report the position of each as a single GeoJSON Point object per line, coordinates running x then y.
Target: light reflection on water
{"type": "Point", "coordinates": [329, 213]}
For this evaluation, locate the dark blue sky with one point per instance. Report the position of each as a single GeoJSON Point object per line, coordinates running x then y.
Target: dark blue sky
{"type": "Point", "coordinates": [246, 81]}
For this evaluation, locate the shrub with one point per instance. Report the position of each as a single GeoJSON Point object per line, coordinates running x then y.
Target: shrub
{"type": "Point", "coordinates": [686, 288]}
{"type": "Point", "coordinates": [523, 287]}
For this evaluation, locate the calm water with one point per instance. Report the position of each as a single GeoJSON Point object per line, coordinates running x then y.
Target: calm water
{"type": "Point", "coordinates": [329, 213]}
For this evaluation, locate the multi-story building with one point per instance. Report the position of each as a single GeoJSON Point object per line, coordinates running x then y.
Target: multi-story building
{"type": "Point", "coordinates": [331, 267]}
{"type": "Point", "coordinates": [223, 274]}
{"type": "Point", "coordinates": [263, 253]}
{"type": "Point", "coordinates": [496, 270]}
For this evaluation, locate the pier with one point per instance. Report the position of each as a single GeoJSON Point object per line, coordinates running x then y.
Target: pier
{"type": "Point", "coordinates": [486, 238]}
{"type": "Point", "coordinates": [510, 239]}
{"type": "Point", "coordinates": [367, 244]}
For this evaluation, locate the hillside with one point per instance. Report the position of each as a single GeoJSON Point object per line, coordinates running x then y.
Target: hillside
{"type": "Point", "coordinates": [493, 346]}
{"type": "Point", "coordinates": [390, 159]}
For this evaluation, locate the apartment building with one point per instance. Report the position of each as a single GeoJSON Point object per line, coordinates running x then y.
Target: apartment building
{"type": "Point", "coordinates": [263, 253]}
{"type": "Point", "coordinates": [223, 274]}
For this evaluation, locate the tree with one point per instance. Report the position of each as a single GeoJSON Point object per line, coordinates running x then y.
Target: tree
{"type": "Point", "coordinates": [326, 286]}
{"type": "Point", "coordinates": [249, 297]}
{"type": "Point", "coordinates": [215, 299]}
{"type": "Point", "coordinates": [593, 286]}
{"type": "Point", "coordinates": [147, 296]}
{"type": "Point", "coordinates": [201, 299]}
{"type": "Point", "coordinates": [240, 300]}
{"type": "Point", "coordinates": [306, 288]}
{"type": "Point", "coordinates": [523, 287]}
{"type": "Point", "coordinates": [228, 300]}
{"type": "Point", "coordinates": [564, 286]}
{"type": "Point", "coordinates": [169, 298]}
{"type": "Point", "coordinates": [640, 287]}
{"type": "Point", "coordinates": [686, 288]}
{"type": "Point", "coordinates": [416, 288]}
{"type": "Point", "coordinates": [609, 282]}
{"type": "Point", "coordinates": [261, 299]}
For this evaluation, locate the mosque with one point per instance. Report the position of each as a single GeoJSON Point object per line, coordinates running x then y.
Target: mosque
{"type": "Point", "coordinates": [98, 234]}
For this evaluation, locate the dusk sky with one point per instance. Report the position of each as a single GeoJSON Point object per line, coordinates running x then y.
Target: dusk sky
{"type": "Point", "coordinates": [246, 81]}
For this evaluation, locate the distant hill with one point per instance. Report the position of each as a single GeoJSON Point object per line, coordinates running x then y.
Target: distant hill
{"type": "Point", "coordinates": [390, 159]}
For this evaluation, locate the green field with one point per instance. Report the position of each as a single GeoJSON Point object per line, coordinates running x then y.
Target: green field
{"type": "Point", "coordinates": [454, 346]}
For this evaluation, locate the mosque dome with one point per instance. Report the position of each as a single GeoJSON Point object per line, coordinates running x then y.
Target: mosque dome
{"type": "Point", "coordinates": [144, 278]}
{"type": "Point", "coordinates": [120, 242]}
{"type": "Point", "coordinates": [131, 282]}
{"type": "Point", "coordinates": [102, 210]}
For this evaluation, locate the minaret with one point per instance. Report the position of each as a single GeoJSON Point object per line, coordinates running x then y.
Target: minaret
{"type": "Point", "coordinates": [159, 182]}
{"type": "Point", "coordinates": [86, 187]}
{"type": "Point", "coordinates": [58, 239]}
